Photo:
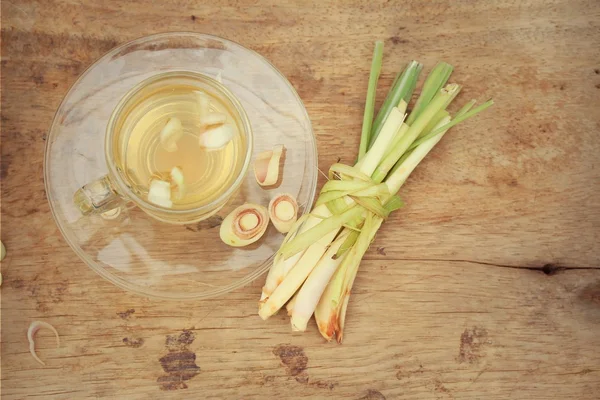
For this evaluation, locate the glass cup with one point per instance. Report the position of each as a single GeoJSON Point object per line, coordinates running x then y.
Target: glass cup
{"type": "Point", "coordinates": [107, 194]}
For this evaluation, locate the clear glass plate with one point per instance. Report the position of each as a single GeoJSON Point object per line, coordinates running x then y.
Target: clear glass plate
{"type": "Point", "coordinates": [133, 250]}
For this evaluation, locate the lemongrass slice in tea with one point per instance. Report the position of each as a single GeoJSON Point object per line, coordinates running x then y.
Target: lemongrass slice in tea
{"type": "Point", "coordinates": [283, 211]}
{"type": "Point", "coordinates": [170, 134]}
{"type": "Point", "coordinates": [177, 177]}
{"type": "Point", "coordinates": [160, 193]}
{"type": "Point", "coordinates": [203, 103]}
{"type": "Point", "coordinates": [33, 328]}
{"type": "Point", "coordinates": [217, 137]}
{"type": "Point", "coordinates": [210, 119]}
{"type": "Point", "coordinates": [244, 225]}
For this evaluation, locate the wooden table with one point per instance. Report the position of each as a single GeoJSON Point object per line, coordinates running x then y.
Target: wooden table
{"type": "Point", "coordinates": [486, 286]}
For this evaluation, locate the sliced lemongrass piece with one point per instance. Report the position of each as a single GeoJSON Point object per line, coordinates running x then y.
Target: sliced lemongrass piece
{"type": "Point", "coordinates": [244, 225]}
{"type": "Point", "coordinates": [177, 177]}
{"type": "Point", "coordinates": [170, 134]}
{"type": "Point", "coordinates": [160, 193]}
{"type": "Point", "coordinates": [203, 103]}
{"type": "Point", "coordinates": [2, 251]}
{"type": "Point", "coordinates": [266, 166]}
{"type": "Point", "coordinates": [211, 119]}
{"type": "Point", "coordinates": [33, 328]}
{"type": "Point", "coordinates": [283, 211]}
{"type": "Point", "coordinates": [216, 137]}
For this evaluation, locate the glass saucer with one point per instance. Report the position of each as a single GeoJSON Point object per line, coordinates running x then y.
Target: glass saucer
{"type": "Point", "coordinates": [133, 250]}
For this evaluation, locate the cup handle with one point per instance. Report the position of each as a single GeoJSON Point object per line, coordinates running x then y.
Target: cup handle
{"type": "Point", "coordinates": [98, 197]}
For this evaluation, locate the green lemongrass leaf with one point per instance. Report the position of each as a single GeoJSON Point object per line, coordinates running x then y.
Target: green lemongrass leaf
{"type": "Point", "coordinates": [413, 132]}
{"type": "Point", "coordinates": [401, 172]}
{"type": "Point", "coordinates": [305, 239]}
{"type": "Point", "coordinates": [434, 121]}
{"type": "Point", "coordinates": [337, 206]}
{"type": "Point", "coordinates": [372, 205]}
{"type": "Point", "coordinates": [347, 171]}
{"type": "Point", "coordinates": [335, 185]}
{"type": "Point", "coordinates": [436, 80]}
{"type": "Point", "coordinates": [329, 196]}
{"type": "Point", "coordinates": [348, 243]}
{"type": "Point", "coordinates": [370, 102]}
{"type": "Point", "coordinates": [458, 119]}
{"type": "Point", "coordinates": [380, 190]}
{"type": "Point", "coordinates": [393, 203]}
{"type": "Point", "coordinates": [401, 90]}
{"type": "Point", "coordinates": [350, 227]}
{"type": "Point", "coordinates": [466, 108]}
{"type": "Point", "coordinates": [374, 190]}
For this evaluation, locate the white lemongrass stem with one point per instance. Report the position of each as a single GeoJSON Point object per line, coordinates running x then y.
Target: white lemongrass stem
{"type": "Point", "coordinates": [350, 275]}
{"type": "Point", "coordinates": [296, 276]}
{"type": "Point", "coordinates": [377, 151]}
{"type": "Point", "coordinates": [401, 132]}
{"type": "Point", "coordinates": [290, 305]}
{"type": "Point", "coordinates": [399, 175]}
{"type": "Point", "coordinates": [309, 294]}
{"type": "Point", "coordinates": [327, 312]}
{"type": "Point", "coordinates": [281, 267]}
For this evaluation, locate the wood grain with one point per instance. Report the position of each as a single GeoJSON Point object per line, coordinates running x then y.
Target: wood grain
{"type": "Point", "coordinates": [486, 285]}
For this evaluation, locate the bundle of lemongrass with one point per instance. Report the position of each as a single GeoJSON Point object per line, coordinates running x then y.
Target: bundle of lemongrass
{"type": "Point", "coordinates": [314, 270]}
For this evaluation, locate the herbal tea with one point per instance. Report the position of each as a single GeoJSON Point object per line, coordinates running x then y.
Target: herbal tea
{"type": "Point", "coordinates": [178, 144]}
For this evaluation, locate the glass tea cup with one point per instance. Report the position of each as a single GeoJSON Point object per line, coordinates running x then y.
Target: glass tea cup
{"type": "Point", "coordinates": [134, 154]}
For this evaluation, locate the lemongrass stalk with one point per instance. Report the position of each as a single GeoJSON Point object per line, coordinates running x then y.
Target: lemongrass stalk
{"type": "Point", "coordinates": [296, 276]}
{"type": "Point", "coordinates": [350, 275]}
{"type": "Point", "coordinates": [289, 306]}
{"type": "Point", "coordinates": [339, 335]}
{"type": "Point", "coordinates": [310, 292]}
{"type": "Point", "coordinates": [375, 154]}
{"type": "Point", "coordinates": [331, 224]}
{"type": "Point", "coordinates": [402, 89]}
{"type": "Point", "coordinates": [458, 119]}
{"type": "Point", "coordinates": [433, 123]}
{"type": "Point", "coordinates": [402, 106]}
{"type": "Point", "coordinates": [328, 309]}
{"type": "Point", "coordinates": [401, 132]}
{"type": "Point", "coordinates": [436, 79]}
{"type": "Point", "coordinates": [466, 108]}
{"type": "Point", "coordinates": [281, 266]}
{"type": "Point", "coordinates": [414, 130]}
{"type": "Point", "coordinates": [400, 173]}
{"type": "Point", "coordinates": [370, 102]}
